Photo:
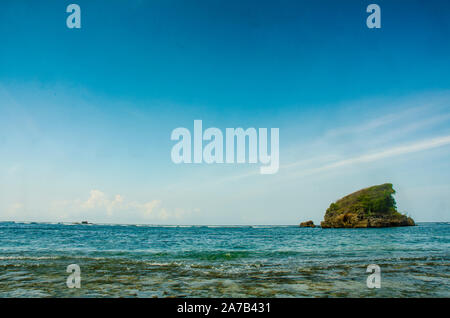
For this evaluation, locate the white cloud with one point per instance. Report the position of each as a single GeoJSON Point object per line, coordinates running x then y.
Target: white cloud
{"type": "Point", "coordinates": [117, 207]}
{"type": "Point", "coordinates": [149, 208]}
{"type": "Point", "coordinates": [383, 154]}
{"type": "Point", "coordinates": [376, 122]}
{"type": "Point", "coordinates": [98, 200]}
{"type": "Point", "coordinates": [15, 209]}
{"type": "Point", "coordinates": [371, 140]}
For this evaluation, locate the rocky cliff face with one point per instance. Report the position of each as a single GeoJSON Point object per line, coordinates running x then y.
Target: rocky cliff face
{"type": "Point", "coordinates": [369, 207]}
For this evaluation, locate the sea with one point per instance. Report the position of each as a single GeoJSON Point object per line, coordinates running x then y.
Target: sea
{"type": "Point", "coordinates": [223, 261]}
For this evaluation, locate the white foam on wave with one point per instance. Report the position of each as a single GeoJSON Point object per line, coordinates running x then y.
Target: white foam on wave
{"type": "Point", "coordinates": [28, 257]}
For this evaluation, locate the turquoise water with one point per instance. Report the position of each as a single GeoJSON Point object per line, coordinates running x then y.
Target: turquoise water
{"type": "Point", "coordinates": [257, 261]}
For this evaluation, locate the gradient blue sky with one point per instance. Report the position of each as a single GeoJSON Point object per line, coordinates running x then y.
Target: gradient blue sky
{"type": "Point", "coordinates": [86, 115]}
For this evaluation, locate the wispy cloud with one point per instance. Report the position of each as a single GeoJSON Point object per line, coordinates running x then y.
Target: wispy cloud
{"type": "Point", "coordinates": [382, 154]}
{"type": "Point", "coordinates": [298, 169]}
{"type": "Point", "coordinates": [376, 123]}
{"type": "Point", "coordinates": [410, 128]}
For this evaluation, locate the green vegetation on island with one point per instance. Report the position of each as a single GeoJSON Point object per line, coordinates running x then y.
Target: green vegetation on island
{"type": "Point", "coordinates": [370, 207]}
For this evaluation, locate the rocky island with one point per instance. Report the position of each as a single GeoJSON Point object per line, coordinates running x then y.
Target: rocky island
{"type": "Point", "coordinates": [370, 207]}
{"type": "Point", "coordinates": [307, 224]}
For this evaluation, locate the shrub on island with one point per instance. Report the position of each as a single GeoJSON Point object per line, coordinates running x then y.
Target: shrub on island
{"type": "Point", "coordinates": [370, 207]}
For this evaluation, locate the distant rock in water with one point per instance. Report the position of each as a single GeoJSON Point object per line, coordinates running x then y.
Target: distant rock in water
{"type": "Point", "coordinates": [307, 224]}
{"type": "Point", "coordinates": [82, 223]}
{"type": "Point", "coordinates": [369, 207]}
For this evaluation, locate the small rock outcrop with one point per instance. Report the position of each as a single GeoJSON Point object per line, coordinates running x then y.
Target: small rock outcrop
{"type": "Point", "coordinates": [369, 207]}
{"type": "Point", "coordinates": [307, 224]}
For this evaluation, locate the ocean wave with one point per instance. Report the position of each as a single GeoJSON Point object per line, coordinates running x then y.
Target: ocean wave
{"type": "Point", "coordinates": [3, 258]}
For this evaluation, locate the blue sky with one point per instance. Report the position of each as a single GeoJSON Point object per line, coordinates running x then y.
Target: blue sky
{"type": "Point", "coordinates": [86, 115]}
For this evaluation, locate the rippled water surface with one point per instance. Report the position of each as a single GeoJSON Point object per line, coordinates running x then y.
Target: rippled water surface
{"type": "Point", "coordinates": [258, 261]}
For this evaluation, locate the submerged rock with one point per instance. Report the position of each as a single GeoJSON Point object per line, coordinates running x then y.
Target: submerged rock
{"type": "Point", "coordinates": [369, 207]}
{"type": "Point", "coordinates": [307, 224]}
